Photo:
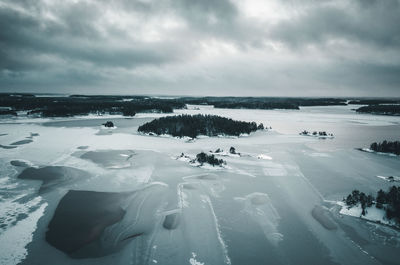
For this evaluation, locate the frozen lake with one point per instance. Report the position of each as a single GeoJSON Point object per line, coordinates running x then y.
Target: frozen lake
{"type": "Point", "coordinates": [113, 196]}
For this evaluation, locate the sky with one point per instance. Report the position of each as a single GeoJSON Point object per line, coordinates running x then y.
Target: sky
{"type": "Point", "coordinates": [201, 47]}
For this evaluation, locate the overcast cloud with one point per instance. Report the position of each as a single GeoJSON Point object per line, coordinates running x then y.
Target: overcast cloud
{"type": "Point", "coordinates": [201, 47]}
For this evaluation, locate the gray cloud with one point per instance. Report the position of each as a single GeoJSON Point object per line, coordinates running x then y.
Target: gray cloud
{"type": "Point", "coordinates": [216, 47]}
{"type": "Point", "coordinates": [370, 22]}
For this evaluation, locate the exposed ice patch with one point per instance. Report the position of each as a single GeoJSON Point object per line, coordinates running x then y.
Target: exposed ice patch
{"type": "Point", "coordinates": [274, 169]}
{"type": "Point", "coordinates": [260, 208]}
{"type": "Point", "coordinates": [112, 159]}
{"type": "Point", "coordinates": [319, 155]}
{"type": "Point", "coordinates": [227, 260]}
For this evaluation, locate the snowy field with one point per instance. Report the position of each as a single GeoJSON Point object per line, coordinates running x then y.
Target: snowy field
{"type": "Point", "coordinates": [275, 203]}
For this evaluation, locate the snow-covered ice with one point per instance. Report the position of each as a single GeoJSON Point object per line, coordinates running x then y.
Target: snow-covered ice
{"type": "Point", "coordinates": [257, 208]}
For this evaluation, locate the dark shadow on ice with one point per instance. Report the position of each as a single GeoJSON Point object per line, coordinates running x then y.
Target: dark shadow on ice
{"type": "Point", "coordinates": [83, 147]}
{"type": "Point", "coordinates": [90, 224]}
{"type": "Point", "coordinates": [80, 219]}
{"type": "Point", "coordinates": [20, 163]}
{"type": "Point", "coordinates": [321, 215]}
{"type": "Point", "coordinates": [172, 221]}
{"type": "Point", "coordinates": [22, 142]}
{"type": "Point", "coordinates": [7, 146]}
{"type": "Point", "coordinates": [52, 175]}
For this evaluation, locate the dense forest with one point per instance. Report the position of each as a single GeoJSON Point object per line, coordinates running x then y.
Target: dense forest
{"type": "Point", "coordinates": [389, 201]}
{"type": "Point", "coordinates": [52, 106]}
{"type": "Point", "coordinates": [380, 109]}
{"type": "Point", "coordinates": [262, 102]}
{"type": "Point", "coordinates": [255, 105]}
{"type": "Point", "coordinates": [83, 105]}
{"type": "Point", "coordinates": [8, 112]}
{"type": "Point", "coordinates": [373, 101]}
{"type": "Point", "coordinates": [386, 147]}
{"type": "Point", "coordinates": [192, 126]}
{"type": "Point", "coordinates": [210, 159]}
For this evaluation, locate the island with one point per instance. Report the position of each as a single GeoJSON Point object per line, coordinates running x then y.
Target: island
{"type": "Point", "coordinates": [386, 210]}
{"type": "Point", "coordinates": [108, 124]}
{"type": "Point", "coordinates": [202, 160]}
{"type": "Point", "coordinates": [385, 147]}
{"type": "Point", "coordinates": [320, 134]}
{"type": "Point", "coordinates": [263, 102]}
{"type": "Point", "coordinates": [209, 159]}
{"type": "Point", "coordinates": [195, 125]}
{"type": "Point", "coordinates": [73, 105]}
{"type": "Point", "coordinates": [375, 101]}
{"type": "Point", "coordinates": [67, 106]}
{"type": "Point", "coordinates": [232, 152]}
{"type": "Point", "coordinates": [380, 109]}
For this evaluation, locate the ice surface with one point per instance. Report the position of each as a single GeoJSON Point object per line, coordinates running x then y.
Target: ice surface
{"type": "Point", "coordinates": [256, 210]}
{"type": "Point", "coordinates": [53, 176]}
{"type": "Point", "coordinates": [115, 159]}
{"type": "Point", "coordinates": [260, 208]}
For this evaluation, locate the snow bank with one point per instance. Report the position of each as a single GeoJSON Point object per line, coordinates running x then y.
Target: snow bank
{"type": "Point", "coordinates": [14, 240]}
{"type": "Point", "coordinates": [262, 156]}
{"type": "Point", "coordinates": [193, 260]}
{"type": "Point", "coordinates": [372, 213]}
{"type": "Point", "coordinates": [378, 153]}
{"type": "Point", "coordinates": [390, 178]}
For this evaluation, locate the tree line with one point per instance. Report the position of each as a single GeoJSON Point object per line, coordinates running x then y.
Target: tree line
{"type": "Point", "coordinates": [380, 109]}
{"type": "Point", "coordinates": [83, 105]}
{"type": "Point", "coordinates": [262, 102]}
{"type": "Point", "coordinates": [194, 125]}
{"type": "Point", "coordinates": [210, 159]}
{"type": "Point", "coordinates": [386, 147]}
